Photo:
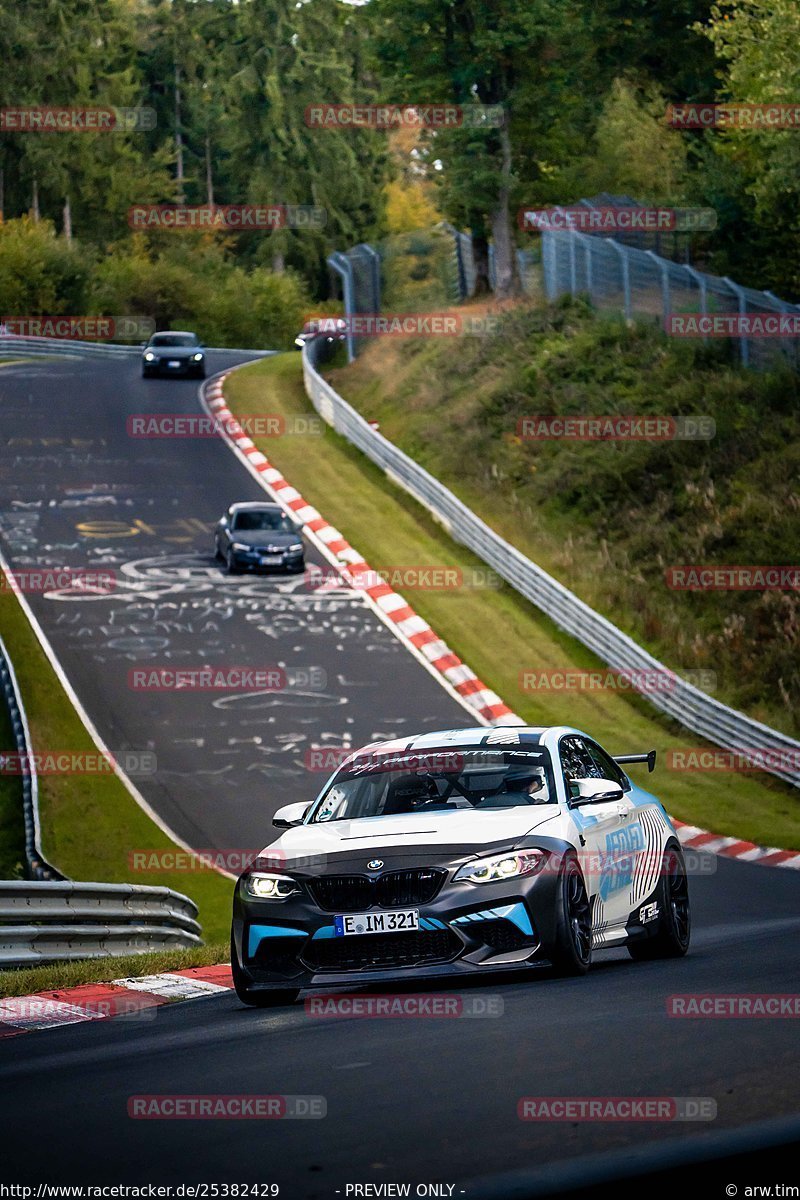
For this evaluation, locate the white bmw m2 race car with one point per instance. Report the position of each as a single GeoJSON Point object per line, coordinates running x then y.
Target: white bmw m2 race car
{"type": "Point", "coordinates": [460, 853]}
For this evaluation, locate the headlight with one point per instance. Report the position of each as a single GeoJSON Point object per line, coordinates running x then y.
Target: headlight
{"type": "Point", "coordinates": [239, 546]}
{"type": "Point", "coordinates": [265, 886]}
{"type": "Point", "coordinates": [197, 358]}
{"type": "Point", "coordinates": [295, 548]}
{"type": "Point", "coordinates": [149, 357]}
{"type": "Point", "coordinates": [503, 866]}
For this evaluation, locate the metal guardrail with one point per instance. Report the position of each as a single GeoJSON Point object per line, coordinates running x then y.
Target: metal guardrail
{"type": "Point", "coordinates": [58, 921]}
{"type": "Point", "coordinates": [690, 706]}
{"type": "Point", "coordinates": [49, 346]}
{"type": "Point", "coordinates": [36, 865]}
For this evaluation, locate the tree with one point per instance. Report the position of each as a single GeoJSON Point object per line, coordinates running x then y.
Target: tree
{"type": "Point", "coordinates": [758, 169]}
{"type": "Point", "coordinates": [467, 52]}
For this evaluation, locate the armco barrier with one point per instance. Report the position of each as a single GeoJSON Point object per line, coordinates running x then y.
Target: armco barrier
{"type": "Point", "coordinates": [694, 709]}
{"type": "Point", "coordinates": [55, 922]}
{"type": "Point", "coordinates": [36, 865]}
{"type": "Point", "coordinates": [49, 346]}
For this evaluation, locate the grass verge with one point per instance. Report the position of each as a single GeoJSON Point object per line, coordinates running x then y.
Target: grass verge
{"type": "Point", "coordinates": [494, 630]}
{"type": "Point", "coordinates": [90, 823]}
{"type": "Point", "coordinates": [50, 978]}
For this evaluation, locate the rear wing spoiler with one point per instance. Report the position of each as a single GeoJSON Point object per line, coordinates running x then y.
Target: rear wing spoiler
{"type": "Point", "coordinates": [649, 758]}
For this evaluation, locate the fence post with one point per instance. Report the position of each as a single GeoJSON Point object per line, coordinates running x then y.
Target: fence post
{"type": "Point", "coordinates": [784, 306]}
{"type": "Point", "coordinates": [663, 267]}
{"type": "Point", "coordinates": [573, 275]}
{"type": "Point", "coordinates": [700, 280]}
{"type": "Point", "coordinates": [626, 276]}
{"type": "Point", "coordinates": [588, 246]}
{"type": "Point", "coordinates": [344, 269]}
{"type": "Point", "coordinates": [744, 345]}
{"type": "Point", "coordinates": [375, 260]}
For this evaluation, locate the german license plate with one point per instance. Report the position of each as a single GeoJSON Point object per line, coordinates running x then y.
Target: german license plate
{"type": "Point", "coordinates": [405, 920]}
{"type": "Point", "coordinates": [173, 363]}
{"type": "Point", "coordinates": [271, 560]}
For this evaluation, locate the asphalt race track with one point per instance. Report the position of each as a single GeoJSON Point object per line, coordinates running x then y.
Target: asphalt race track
{"type": "Point", "coordinates": [418, 1101]}
{"type": "Point", "coordinates": [77, 491]}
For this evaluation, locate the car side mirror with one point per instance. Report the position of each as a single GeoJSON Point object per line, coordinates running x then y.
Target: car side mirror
{"type": "Point", "coordinates": [594, 791]}
{"type": "Point", "coordinates": [290, 815]}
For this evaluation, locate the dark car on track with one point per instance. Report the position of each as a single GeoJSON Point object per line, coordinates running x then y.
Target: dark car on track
{"type": "Point", "coordinates": [254, 536]}
{"type": "Point", "coordinates": [174, 353]}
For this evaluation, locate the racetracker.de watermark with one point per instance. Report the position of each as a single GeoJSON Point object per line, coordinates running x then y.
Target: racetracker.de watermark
{"type": "Point", "coordinates": [27, 581]}
{"type": "Point", "coordinates": [733, 115]}
{"type": "Point", "coordinates": [427, 1005]}
{"type": "Point", "coordinates": [732, 325]}
{"type": "Point", "coordinates": [617, 1108]}
{"type": "Point", "coordinates": [406, 324]}
{"type": "Point", "coordinates": [45, 118]}
{"type": "Point", "coordinates": [404, 116]}
{"type": "Point", "coordinates": [629, 428]}
{"type": "Point", "coordinates": [77, 762]}
{"type": "Point", "coordinates": [656, 680]}
{"type": "Point", "coordinates": [205, 678]}
{"type": "Point", "coordinates": [233, 860]}
{"type": "Point", "coordinates": [38, 1012]}
{"type": "Point", "coordinates": [425, 578]}
{"type": "Point", "coordinates": [79, 328]}
{"type": "Point", "coordinates": [734, 1005]}
{"type": "Point", "coordinates": [328, 758]}
{"type": "Point", "coordinates": [747, 758]}
{"type": "Point", "coordinates": [235, 218]}
{"type": "Point", "coordinates": [212, 1107]}
{"type": "Point", "coordinates": [611, 219]}
{"type": "Point", "coordinates": [253, 425]}
{"type": "Point", "coordinates": [709, 578]}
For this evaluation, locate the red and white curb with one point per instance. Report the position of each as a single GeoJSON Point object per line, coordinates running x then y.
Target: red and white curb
{"type": "Point", "coordinates": [133, 998]}
{"type": "Point", "coordinates": [694, 838]}
{"type": "Point", "coordinates": [391, 606]}
{"type": "Point", "coordinates": [416, 631]}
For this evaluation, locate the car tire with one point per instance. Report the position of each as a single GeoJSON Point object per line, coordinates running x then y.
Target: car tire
{"type": "Point", "coordinates": [254, 999]}
{"type": "Point", "coordinates": [299, 569]}
{"type": "Point", "coordinates": [218, 555]}
{"type": "Point", "coordinates": [571, 954]}
{"type": "Point", "coordinates": [674, 923]}
{"type": "Point", "coordinates": [230, 566]}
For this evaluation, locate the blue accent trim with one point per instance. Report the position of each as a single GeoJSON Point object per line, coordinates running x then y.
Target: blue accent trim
{"type": "Point", "coordinates": [516, 913]}
{"type": "Point", "coordinates": [259, 932]}
{"type": "Point", "coordinates": [324, 931]}
{"type": "Point", "coordinates": [430, 923]}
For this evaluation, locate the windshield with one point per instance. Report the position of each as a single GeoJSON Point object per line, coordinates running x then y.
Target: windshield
{"type": "Point", "coordinates": [438, 781]}
{"type": "Point", "coordinates": [263, 520]}
{"type": "Point", "coordinates": [174, 339]}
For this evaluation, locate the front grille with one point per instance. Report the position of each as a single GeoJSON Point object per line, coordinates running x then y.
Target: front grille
{"type": "Point", "coordinates": [373, 951]}
{"type": "Point", "coordinates": [503, 936]}
{"type": "Point", "coordinates": [354, 893]}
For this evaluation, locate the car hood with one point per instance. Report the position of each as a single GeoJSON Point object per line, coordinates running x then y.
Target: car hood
{"type": "Point", "coordinates": [408, 833]}
{"type": "Point", "coordinates": [264, 537]}
{"type": "Point", "coordinates": [177, 352]}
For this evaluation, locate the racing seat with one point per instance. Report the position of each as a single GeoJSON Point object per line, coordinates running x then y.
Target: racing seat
{"type": "Point", "coordinates": [406, 794]}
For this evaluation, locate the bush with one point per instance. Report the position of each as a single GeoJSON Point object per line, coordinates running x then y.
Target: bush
{"type": "Point", "coordinates": [41, 273]}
